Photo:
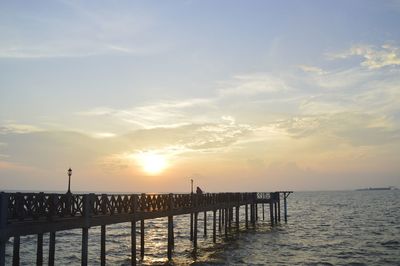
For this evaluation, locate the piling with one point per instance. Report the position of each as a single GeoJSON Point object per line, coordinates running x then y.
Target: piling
{"type": "Point", "coordinates": [191, 226]}
{"type": "Point", "coordinates": [142, 239]}
{"type": "Point", "coordinates": [285, 206]}
{"type": "Point", "coordinates": [195, 231]}
{"type": "Point", "coordinates": [279, 206]}
{"type": "Point", "coordinates": [39, 250]}
{"type": "Point", "coordinates": [237, 218]}
{"type": "Point", "coordinates": [271, 212]}
{"type": "Point", "coordinates": [133, 245]}
{"type": "Point", "coordinates": [263, 214]}
{"type": "Point", "coordinates": [52, 248]}
{"type": "Point", "coordinates": [214, 226]}
{"type": "Point", "coordinates": [205, 224]}
{"type": "Point", "coordinates": [17, 241]}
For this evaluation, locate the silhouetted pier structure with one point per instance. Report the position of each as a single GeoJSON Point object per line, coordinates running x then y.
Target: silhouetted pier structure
{"type": "Point", "coordinates": [38, 213]}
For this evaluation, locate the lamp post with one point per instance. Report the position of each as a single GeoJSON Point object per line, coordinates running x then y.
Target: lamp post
{"type": "Point", "coordinates": [69, 180]}
{"type": "Point", "coordinates": [191, 186]}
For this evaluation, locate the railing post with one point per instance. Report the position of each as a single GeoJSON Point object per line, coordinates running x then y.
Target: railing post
{"type": "Point", "coordinates": [3, 225]}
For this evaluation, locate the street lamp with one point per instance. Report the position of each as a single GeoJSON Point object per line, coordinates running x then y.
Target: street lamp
{"type": "Point", "coordinates": [69, 180]}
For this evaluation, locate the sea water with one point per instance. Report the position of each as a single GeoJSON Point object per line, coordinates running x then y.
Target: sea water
{"type": "Point", "coordinates": [324, 228]}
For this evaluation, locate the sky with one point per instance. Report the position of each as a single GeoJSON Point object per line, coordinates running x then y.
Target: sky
{"type": "Point", "coordinates": [142, 96]}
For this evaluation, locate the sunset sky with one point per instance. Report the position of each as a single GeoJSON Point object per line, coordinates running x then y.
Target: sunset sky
{"type": "Point", "coordinates": [238, 95]}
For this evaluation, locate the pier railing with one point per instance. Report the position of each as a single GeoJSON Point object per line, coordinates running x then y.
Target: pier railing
{"type": "Point", "coordinates": [37, 206]}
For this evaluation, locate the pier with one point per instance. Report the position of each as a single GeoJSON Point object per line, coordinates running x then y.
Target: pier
{"type": "Point", "coordinates": [39, 213]}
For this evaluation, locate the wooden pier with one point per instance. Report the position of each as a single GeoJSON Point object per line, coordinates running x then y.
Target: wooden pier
{"type": "Point", "coordinates": [38, 213]}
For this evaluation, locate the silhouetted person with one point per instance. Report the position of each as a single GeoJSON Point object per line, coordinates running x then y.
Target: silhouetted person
{"type": "Point", "coordinates": [199, 191]}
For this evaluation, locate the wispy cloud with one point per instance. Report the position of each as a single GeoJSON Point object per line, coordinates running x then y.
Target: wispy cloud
{"type": "Point", "coordinates": [312, 69]}
{"type": "Point", "coordinates": [373, 57]}
{"type": "Point", "coordinates": [253, 84]}
{"type": "Point", "coordinates": [83, 30]}
{"type": "Point", "coordinates": [8, 128]}
{"type": "Point", "coordinates": [158, 114]}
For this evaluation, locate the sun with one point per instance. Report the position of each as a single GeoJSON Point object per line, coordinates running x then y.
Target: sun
{"type": "Point", "coordinates": [152, 163]}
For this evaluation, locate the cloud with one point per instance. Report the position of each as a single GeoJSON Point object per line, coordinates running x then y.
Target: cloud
{"type": "Point", "coordinates": [358, 129]}
{"type": "Point", "coordinates": [18, 128]}
{"type": "Point", "coordinates": [253, 84]}
{"type": "Point", "coordinates": [373, 57]}
{"type": "Point", "coordinates": [82, 30]}
{"type": "Point", "coordinates": [158, 114]}
{"type": "Point", "coordinates": [312, 69]}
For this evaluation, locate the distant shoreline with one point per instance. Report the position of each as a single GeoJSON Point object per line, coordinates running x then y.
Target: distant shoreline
{"type": "Point", "coordinates": [377, 188]}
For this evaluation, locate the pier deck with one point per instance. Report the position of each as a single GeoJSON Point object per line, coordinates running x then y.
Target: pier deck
{"type": "Point", "coordinates": [39, 213]}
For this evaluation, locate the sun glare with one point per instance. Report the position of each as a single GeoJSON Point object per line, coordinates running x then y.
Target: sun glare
{"type": "Point", "coordinates": [152, 163]}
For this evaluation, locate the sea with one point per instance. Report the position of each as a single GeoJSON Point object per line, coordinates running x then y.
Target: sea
{"type": "Point", "coordinates": [323, 228]}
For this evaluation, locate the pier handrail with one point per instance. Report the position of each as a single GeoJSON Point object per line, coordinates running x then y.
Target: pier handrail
{"type": "Point", "coordinates": [38, 206]}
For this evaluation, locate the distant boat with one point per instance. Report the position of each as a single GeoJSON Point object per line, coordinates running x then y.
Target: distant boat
{"type": "Point", "coordinates": [377, 188]}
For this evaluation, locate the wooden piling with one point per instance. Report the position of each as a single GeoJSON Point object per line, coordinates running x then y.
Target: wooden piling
{"type": "Point", "coordinates": [133, 244]}
{"type": "Point", "coordinates": [205, 224]}
{"type": "Point", "coordinates": [276, 212]}
{"type": "Point", "coordinates": [271, 212]}
{"type": "Point", "coordinates": [195, 231]}
{"type": "Point", "coordinates": [246, 216]}
{"type": "Point", "coordinates": [170, 236]}
{"type": "Point", "coordinates": [279, 207]}
{"type": "Point", "coordinates": [52, 248]}
{"type": "Point", "coordinates": [142, 239]}
{"type": "Point", "coordinates": [214, 226]}
{"type": "Point", "coordinates": [226, 222]}
{"type": "Point", "coordinates": [237, 218]}
{"type": "Point", "coordinates": [103, 245]}
{"type": "Point", "coordinates": [17, 241]}
{"type": "Point", "coordinates": [85, 238]}
{"type": "Point", "coordinates": [39, 250]}
{"type": "Point", "coordinates": [191, 226]}
{"type": "Point", "coordinates": [230, 216]}
{"type": "Point", "coordinates": [219, 220]}
{"type": "Point", "coordinates": [285, 206]}
{"type": "Point", "coordinates": [263, 212]}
